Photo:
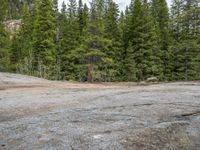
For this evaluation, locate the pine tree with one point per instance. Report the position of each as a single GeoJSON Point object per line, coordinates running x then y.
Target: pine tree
{"type": "Point", "coordinates": [161, 16]}
{"type": "Point", "coordinates": [22, 50]}
{"type": "Point", "coordinates": [124, 28]}
{"type": "Point", "coordinates": [4, 40]}
{"type": "Point", "coordinates": [15, 8]}
{"type": "Point", "coordinates": [111, 32]}
{"type": "Point", "coordinates": [81, 21]}
{"type": "Point", "coordinates": [58, 75]}
{"type": "Point", "coordinates": [85, 16]}
{"type": "Point", "coordinates": [145, 42]}
{"type": "Point", "coordinates": [63, 42]}
{"type": "Point", "coordinates": [72, 9]}
{"type": "Point", "coordinates": [72, 40]}
{"type": "Point", "coordinates": [95, 47]}
{"type": "Point", "coordinates": [111, 20]}
{"type": "Point", "coordinates": [176, 12]}
{"type": "Point", "coordinates": [190, 33]}
{"type": "Point", "coordinates": [130, 65]}
{"type": "Point", "coordinates": [185, 24]}
{"type": "Point", "coordinates": [97, 44]}
{"type": "Point", "coordinates": [56, 13]}
{"type": "Point", "coordinates": [44, 39]}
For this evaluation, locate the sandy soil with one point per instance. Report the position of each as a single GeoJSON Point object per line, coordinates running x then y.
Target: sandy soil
{"type": "Point", "coordinates": [39, 114]}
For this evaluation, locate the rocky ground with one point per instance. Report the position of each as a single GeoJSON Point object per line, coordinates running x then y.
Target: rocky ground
{"type": "Point", "coordinates": [38, 114]}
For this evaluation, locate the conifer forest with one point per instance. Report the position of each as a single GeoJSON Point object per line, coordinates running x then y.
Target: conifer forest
{"type": "Point", "coordinates": [100, 43]}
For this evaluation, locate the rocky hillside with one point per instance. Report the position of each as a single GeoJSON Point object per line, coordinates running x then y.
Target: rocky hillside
{"type": "Point", "coordinates": [13, 25]}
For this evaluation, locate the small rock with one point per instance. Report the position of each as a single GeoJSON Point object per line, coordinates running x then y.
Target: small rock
{"type": "Point", "coordinates": [152, 79]}
{"type": "Point", "coordinates": [97, 136]}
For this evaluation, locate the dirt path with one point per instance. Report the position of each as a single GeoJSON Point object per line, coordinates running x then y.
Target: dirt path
{"type": "Point", "coordinates": [56, 115]}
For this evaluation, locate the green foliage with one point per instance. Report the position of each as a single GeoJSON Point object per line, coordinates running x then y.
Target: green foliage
{"type": "Point", "coordinates": [112, 32]}
{"type": "Point", "coordinates": [4, 40]}
{"type": "Point", "coordinates": [15, 8]}
{"type": "Point", "coordinates": [69, 39]}
{"type": "Point", "coordinates": [96, 47]}
{"type": "Point", "coordinates": [22, 50]}
{"type": "Point", "coordinates": [161, 15]}
{"type": "Point", "coordinates": [44, 39]}
{"type": "Point", "coordinates": [144, 41]}
{"type": "Point", "coordinates": [97, 44]}
{"type": "Point", "coordinates": [185, 24]}
{"type": "Point", "coordinates": [4, 50]}
{"type": "Point", "coordinates": [130, 65]}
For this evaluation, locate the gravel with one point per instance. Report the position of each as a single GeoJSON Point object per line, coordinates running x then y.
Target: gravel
{"type": "Point", "coordinates": [38, 114]}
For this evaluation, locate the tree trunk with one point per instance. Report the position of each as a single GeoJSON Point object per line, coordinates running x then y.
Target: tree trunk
{"type": "Point", "coordinates": [90, 71]}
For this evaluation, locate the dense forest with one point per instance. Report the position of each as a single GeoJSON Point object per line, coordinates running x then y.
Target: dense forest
{"type": "Point", "coordinates": [100, 43]}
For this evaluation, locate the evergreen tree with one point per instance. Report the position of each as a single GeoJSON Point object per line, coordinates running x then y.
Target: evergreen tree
{"type": "Point", "coordinates": [63, 41]}
{"type": "Point", "coordinates": [130, 65]}
{"type": "Point", "coordinates": [111, 20]}
{"type": "Point", "coordinates": [145, 42]}
{"type": "Point", "coordinates": [44, 39]}
{"type": "Point", "coordinates": [85, 16]}
{"type": "Point", "coordinates": [81, 21]}
{"type": "Point", "coordinates": [97, 44]}
{"type": "Point", "coordinates": [112, 33]}
{"type": "Point", "coordinates": [185, 24]}
{"type": "Point", "coordinates": [22, 50]}
{"type": "Point", "coordinates": [72, 9]}
{"type": "Point", "coordinates": [55, 6]}
{"type": "Point", "coordinates": [57, 42]}
{"type": "Point", "coordinates": [95, 47]}
{"type": "Point", "coordinates": [56, 13]}
{"type": "Point", "coordinates": [176, 12]}
{"type": "Point", "coordinates": [4, 40]}
{"type": "Point", "coordinates": [161, 16]}
{"type": "Point", "coordinates": [15, 8]}
{"type": "Point", "coordinates": [124, 28]}
{"type": "Point", "coordinates": [72, 40]}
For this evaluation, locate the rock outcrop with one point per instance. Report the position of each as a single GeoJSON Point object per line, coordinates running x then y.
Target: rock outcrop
{"type": "Point", "coordinates": [13, 25]}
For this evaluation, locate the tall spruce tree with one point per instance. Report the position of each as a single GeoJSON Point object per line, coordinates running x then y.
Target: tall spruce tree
{"type": "Point", "coordinates": [124, 28]}
{"type": "Point", "coordinates": [95, 47]}
{"type": "Point", "coordinates": [111, 32]}
{"type": "Point", "coordinates": [44, 39]}
{"type": "Point", "coordinates": [58, 75]}
{"type": "Point", "coordinates": [4, 40]}
{"type": "Point", "coordinates": [70, 40]}
{"type": "Point", "coordinates": [185, 16]}
{"type": "Point", "coordinates": [22, 50]}
{"type": "Point", "coordinates": [161, 16]}
{"type": "Point", "coordinates": [63, 42]}
{"type": "Point", "coordinates": [176, 12]}
{"type": "Point", "coordinates": [145, 42]}
{"type": "Point", "coordinates": [130, 65]}
{"type": "Point", "coordinates": [15, 8]}
{"type": "Point", "coordinates": [81, 21]}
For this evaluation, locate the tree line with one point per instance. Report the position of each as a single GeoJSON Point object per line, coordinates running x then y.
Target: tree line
{"type": "Point", "coordinates": [100, 43]}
